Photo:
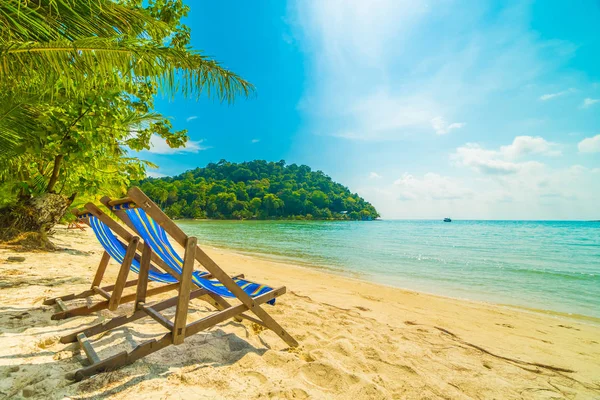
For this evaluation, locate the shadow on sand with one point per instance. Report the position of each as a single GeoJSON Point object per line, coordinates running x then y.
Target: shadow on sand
{"type": "Point", "coordinates": [40, 371]}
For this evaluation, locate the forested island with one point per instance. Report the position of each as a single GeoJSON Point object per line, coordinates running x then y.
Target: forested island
{"type": "Point", "coordinates": [256, 190]}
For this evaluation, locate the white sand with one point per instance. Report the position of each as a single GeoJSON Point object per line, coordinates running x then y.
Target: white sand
{"type": "Point", "coordinates": [358, 340]}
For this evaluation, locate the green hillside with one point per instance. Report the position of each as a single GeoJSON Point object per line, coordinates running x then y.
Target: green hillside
{"type": "Point", "coordinates": [256, 189]}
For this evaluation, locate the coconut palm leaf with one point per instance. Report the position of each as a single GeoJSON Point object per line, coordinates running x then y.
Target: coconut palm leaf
{"type": "Point", "coordinates": [47, 20]}
{"type": "Point", "coordinates": [95, 61]}
{"type": "Point", "coordinates": [74, 46]}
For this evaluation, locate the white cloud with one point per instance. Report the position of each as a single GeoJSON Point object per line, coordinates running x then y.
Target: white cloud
{"type": "Point", "coordinates": [193, 117]}
{"type": "Point", "coordinates": [441, 127]}
{"type": "Point", "coordinates": [484, 161]}
{"type": "Point", "coordinates": [588, 102]}
{"type": "Point", "coordinates": [158, 145]}
{"type": "Point", "coordinates": [374, 175]}
{"type": "Point", "coordinates": [551, 96]}
{"type": "Point", "coordinates": [523, 145]}
{"type": "Point", "coordinates": [530, 193]}
{"type": "Point", "coordinates": [502, 161]}
{"type": "Point", "coordinates": [255, 140]}
{"type": "Point", "coordinates": [590, 145]}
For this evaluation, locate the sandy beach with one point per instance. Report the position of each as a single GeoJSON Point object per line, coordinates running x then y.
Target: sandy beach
{"type": "Point", "coordinates": [358, 340]}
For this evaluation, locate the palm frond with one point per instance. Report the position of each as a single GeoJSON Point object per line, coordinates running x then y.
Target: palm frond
{"type": "Point", "coordinates": [95, 61]}
{"type": "Point", "coordinates": [18, 121]}
{"type": "Point", "coordinates": [47, 20]}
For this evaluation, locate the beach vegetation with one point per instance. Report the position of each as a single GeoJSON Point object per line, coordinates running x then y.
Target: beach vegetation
{"type": "Point", "coordinates": [78, 81]}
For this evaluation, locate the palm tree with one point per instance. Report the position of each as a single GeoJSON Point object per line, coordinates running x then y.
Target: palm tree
{"type": "Point", "coordinates": [74, 47]}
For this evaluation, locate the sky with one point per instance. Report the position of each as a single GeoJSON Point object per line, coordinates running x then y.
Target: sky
{"type": "Point", "coordinates": [467, 109]}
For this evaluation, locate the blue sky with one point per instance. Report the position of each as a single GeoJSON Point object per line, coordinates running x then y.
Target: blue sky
{"type": "Point", "coordinates": [469, 109]}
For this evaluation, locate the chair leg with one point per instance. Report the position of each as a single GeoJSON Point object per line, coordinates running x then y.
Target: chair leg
{"type": "Point", "coordinates": [185, 285]}
{"type": "Point", "coordinates": [142, 287]}
{"type": "Point", "coordinates": [115, 298]}
{"type": "Point", "coordinates": [101, 269]}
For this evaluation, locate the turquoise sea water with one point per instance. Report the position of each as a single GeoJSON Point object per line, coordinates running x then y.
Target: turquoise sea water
{"type": "Point", "coordinates": [537, 264]}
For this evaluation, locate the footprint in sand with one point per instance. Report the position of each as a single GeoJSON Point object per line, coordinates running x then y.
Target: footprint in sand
{"type": "Point", "coordinates": [325, 376]}
{"type": "Point", "coordinates": [254, 378]}
{"type": "Point", "coordinates": [47, 342]}
{"type": "Point", "coordinates": [342, 346]}
{"type": "Point", "coordinates": [368, 297]}
{"type": "Point", "coordinates": [370, 391]}
{"type": "Point", "coordinates": [295, 393]}
{"type": "Point", "coordinates": [568, 327]}
{"type": "Point", "coordinates": [307, 357]}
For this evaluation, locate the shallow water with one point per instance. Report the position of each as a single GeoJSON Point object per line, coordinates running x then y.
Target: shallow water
{"type": "Point", "coordinates": [552, 265]}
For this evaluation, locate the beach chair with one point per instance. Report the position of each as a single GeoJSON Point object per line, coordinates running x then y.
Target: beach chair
{"type": "Point", "coordinates": [125, 252]}
{"type": "Point", "coordinates": [149, 222]}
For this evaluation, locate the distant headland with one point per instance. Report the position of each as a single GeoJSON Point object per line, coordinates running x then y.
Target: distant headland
{"type": "Point", "coordinates": [256, 190]}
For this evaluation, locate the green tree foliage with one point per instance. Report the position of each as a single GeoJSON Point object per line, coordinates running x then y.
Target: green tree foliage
{"type": "Point", "coordinates": [256, 189]}
{"type": "Point", "coordinates": [78, 82]}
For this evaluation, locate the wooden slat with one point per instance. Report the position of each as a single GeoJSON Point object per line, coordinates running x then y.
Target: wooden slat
{"type": "Point", "coordinates": [67, 297]}
{"type": "Point", "coordinates": [142, 286]}
{"type": "Point", "coordinates": [105, 365]}
{"type": "Point", "coordinates": [61, 305]}
{"type": "Point", "coordinates": [118, 321]}
{"type": "Point", "coordinates": [115, 298]}
{"type": "Point", "coordinates": [101, 269]}
{"type": "Point", "coordinates": [85, 310]}
{"type": "Point", "coordinates": [101, 292]}
{"type": "Point", "coordinates": [120, 201]}
{"type": "Point", "coordinates": [124, 358]}
{"type": "Point", "coordinates": [88, 293]}
{"type": "Point", "coordinates": [220, 304]}
{"type": "Point", "coordinates": [88, 349]}
{"type": "Point", "coordinates": [158, 317]}
{"type": "Point", "coordinates": [184, 291]}
{"type": "Point", "coordinates": [224, 315]}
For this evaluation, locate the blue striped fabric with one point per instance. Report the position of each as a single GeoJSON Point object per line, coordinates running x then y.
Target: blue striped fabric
{"type": "Point", "coordinates": [156, 237]}
{"type": "Point", "coordinates": [116, 249]}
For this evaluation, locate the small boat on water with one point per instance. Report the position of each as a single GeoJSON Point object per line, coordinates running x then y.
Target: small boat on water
{"type": "Point", "coordinates": [447, 220]}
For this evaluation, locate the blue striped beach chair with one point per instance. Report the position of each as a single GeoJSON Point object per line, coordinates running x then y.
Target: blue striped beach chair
{"type": "Point", "coordinates": [213, 285]}
{"type": "Point", "coordinates": [125, 255]}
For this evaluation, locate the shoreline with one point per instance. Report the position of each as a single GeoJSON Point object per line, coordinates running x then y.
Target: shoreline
{"type": "Point", "coordinates": [356, 276]}
{"type": "Point", "coordinates": [357, 339]}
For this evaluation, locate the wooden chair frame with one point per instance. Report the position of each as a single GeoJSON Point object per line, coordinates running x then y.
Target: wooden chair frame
{"type": "Point", "coordinates": [112, 294]}
{"type": "Point", "coordinates": [178, 329]}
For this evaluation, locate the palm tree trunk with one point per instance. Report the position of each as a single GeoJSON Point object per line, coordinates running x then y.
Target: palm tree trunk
{"type": "Point", "coordinates": [55, 172]}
